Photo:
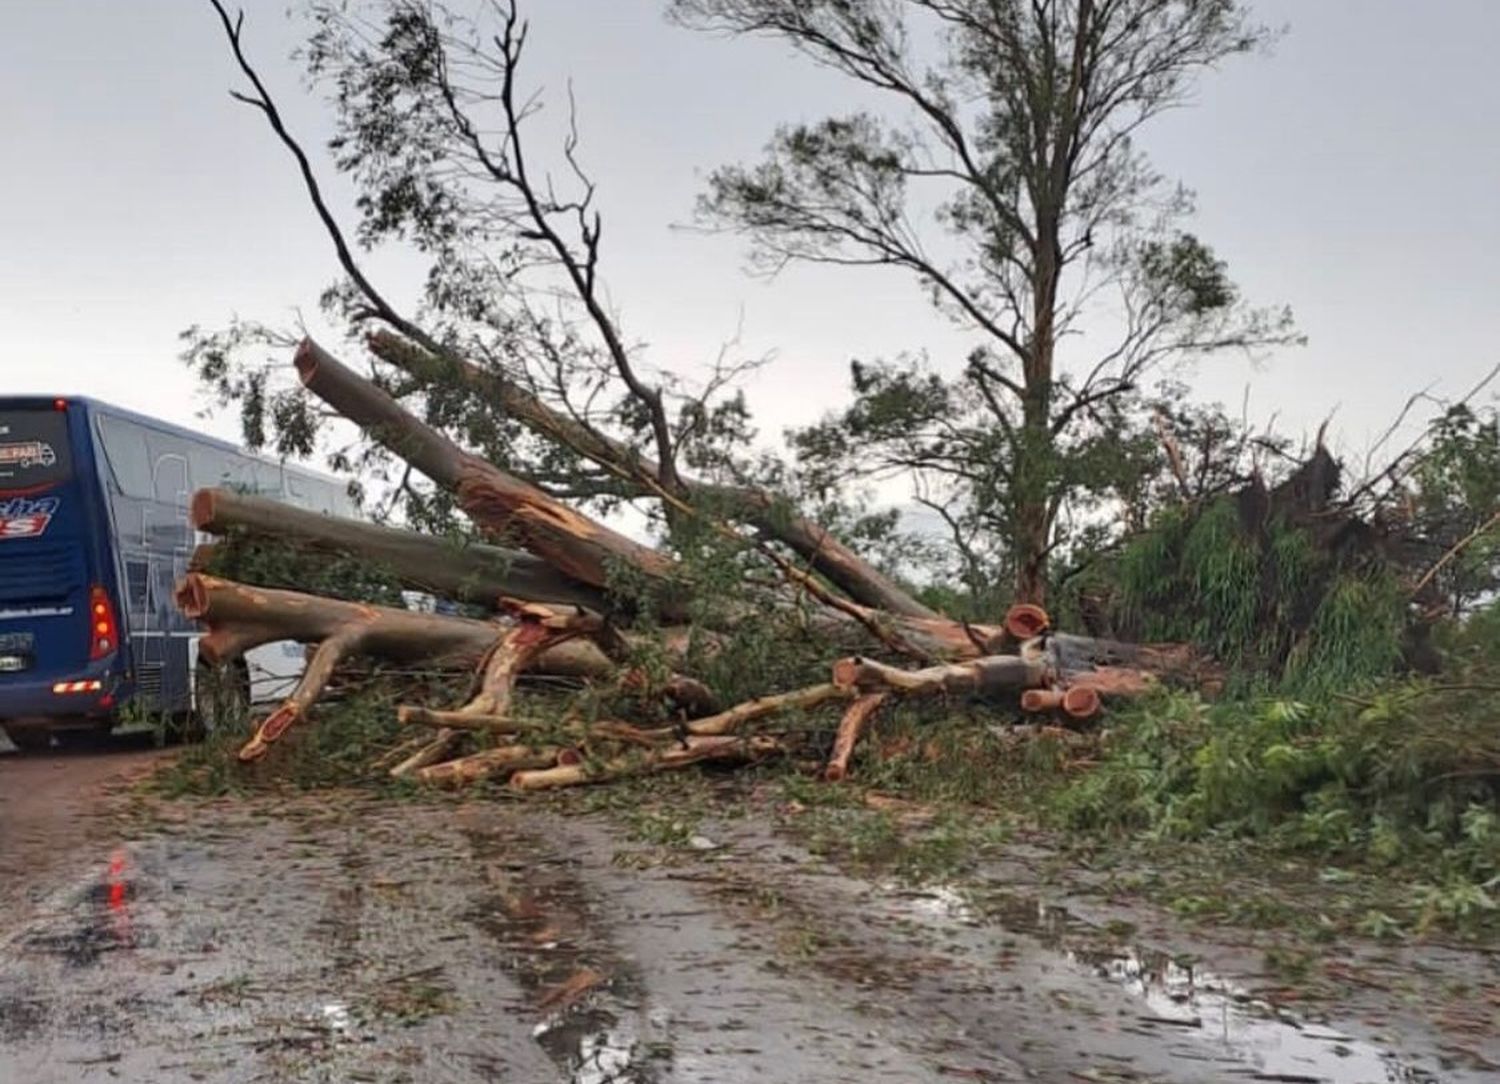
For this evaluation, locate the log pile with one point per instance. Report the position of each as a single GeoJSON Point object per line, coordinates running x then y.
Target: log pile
{"type": "Point", "coordinates": [546, 583]}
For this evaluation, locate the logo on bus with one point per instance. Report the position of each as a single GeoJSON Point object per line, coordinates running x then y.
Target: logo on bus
{"type": "Point", "coordinates": [28, 453]}
{"type": "Point", "coordinates": [22, 518]}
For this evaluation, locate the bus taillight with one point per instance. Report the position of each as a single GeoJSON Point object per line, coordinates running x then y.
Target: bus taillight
{"type": "Point", "coordinates": [103, 631]}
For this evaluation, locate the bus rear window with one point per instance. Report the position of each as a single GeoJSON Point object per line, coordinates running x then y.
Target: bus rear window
{"type": "Point", "coordinates": [33, 448]}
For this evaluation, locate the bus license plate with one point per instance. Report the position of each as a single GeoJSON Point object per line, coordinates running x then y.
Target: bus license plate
{"type": "Point", "coordinates": [10, 664]}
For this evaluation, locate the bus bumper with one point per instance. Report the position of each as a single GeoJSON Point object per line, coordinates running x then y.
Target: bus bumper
{"type": "Point", "coordinates": [89, 694]}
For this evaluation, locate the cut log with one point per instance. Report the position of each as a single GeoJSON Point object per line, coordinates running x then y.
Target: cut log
{"type": "Point", "coordinates": [766, 706]}
{"type": "Point", "coordinates": [471, 769]}
{"type": "Point", "coordinates": [694, 750]}
{"type": "Point", "coordinates": [440, 748]}
{"type": "Point", "coordinates": [853, 724]}
{"type": "Point", "coordinates": [472, 572]}
{"type": "Point", "coordinates": [239, 617]}
{"type": "Point", "coordinates": [1039, 700]}
{"type": "Point", "coordinates": [985, 676]}
{"type": "Point", "coordinates": [1026, 621]}
{"type": "Point", "coordinates": [1114, 681]}
{"type": "Point", "coordinates": [1179, 663]}
{"type": "Point", "coordinates": [498, 502]}
{"type": "Point", "coordinates": [1081, 702]}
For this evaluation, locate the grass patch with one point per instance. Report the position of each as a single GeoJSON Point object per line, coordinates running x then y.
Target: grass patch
{"type": "Point", "coordinates": [334, 748]}
{"type": "Point", "coordinates": [1397, 784]}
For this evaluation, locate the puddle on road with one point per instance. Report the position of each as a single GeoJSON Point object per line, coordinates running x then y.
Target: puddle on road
{"type": "Point", "coordinates": [95, 920]}
{"type": "Point", "coordinates": [588, 1000]}
{"type": "Point", "coordinates": [1260, 1041]}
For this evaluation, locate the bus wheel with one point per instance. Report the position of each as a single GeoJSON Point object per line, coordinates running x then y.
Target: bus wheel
{"type": "Point", "coordinates": [29, 739]}
{"type": "Point", "coordinates": [221, 698]}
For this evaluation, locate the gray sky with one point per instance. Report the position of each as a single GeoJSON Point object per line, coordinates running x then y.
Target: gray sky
{"type": "Point", "coordinates": [1352, 174]}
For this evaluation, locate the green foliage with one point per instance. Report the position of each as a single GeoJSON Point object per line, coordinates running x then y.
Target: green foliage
{"type": "Point", "coordinates": [720, 577]}
{"type": "Point", "coordinates": [1456, 497]}
{"type": "Point", "coordinates": [1273, 601]}
{"type": "Point", "coordinates": [269, 563]}
{"type": "Point", "coordinates": [1019, 449]}
{"type": "Point", "coordinates": [335, 749]}
{"type": "Point", "coordinates": [1405, 777]}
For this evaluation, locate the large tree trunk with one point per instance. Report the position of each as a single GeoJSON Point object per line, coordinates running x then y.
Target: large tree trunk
{"type": "Point", "coordinates": [496, 501]}
{"type": "Point", "coordinates": [239, 618]}
{"type": "Point", "coordinates": [755, 507]}
{"type": "Point", "coordinates": [561, 536]}
{"type": "Point", "coordinates": [473, 572]}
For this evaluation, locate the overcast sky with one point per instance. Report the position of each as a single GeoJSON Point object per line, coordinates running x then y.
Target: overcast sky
{"type": "Point", "coordinates": [1353, 174]}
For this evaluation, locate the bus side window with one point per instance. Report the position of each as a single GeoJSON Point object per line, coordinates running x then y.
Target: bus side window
{"type": "Point", "coordinates": [296, 492]}
{"type": "Point", "coordinates": [169, 470]}
{"type": "Point", "coordinates": [125, 449]}
{"type": "Point", "coordinates": [210, 467]}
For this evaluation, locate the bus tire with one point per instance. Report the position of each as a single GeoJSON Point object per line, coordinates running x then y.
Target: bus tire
{"type": "Point", "coordinates": [29, 739]}
{"type": "Point", "coordinates": [221, 698]}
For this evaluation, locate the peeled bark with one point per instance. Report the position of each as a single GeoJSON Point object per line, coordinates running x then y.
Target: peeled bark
{"type": "Point", "coordinates": [765, 706]}
{"type": "Point", "coordinates": [851, 727]}
{"type": "Point", "coordinates": [693, 751]}
{"type": "Point", "coordinates": [985, 676]}
{"type": "Point", "coordinates": [501, 503]}
{"type": "Point", "coordinates": [475, 573]}
{"type": "Point", "coordinates": [482, 765]}
{"type": "Point", "coordinates": [239, 617]}
{"type": "Point", "coordinates": [1075, 656]}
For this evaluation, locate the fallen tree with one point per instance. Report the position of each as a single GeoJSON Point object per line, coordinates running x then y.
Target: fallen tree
{"type": "Point", "coordinates": [571, 557]}
{"type": "Point", "coordinates": [537, 638]}
{"type": "Point", "coordinates": [452, 400]}
{"type": "Point", "coordinates": [464, 572]}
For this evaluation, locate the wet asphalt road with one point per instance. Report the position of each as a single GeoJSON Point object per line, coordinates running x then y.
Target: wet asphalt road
{"type": "Point", "coordinates": [52, 820]}
{"type": "Point", "coordinates": [339, 939]}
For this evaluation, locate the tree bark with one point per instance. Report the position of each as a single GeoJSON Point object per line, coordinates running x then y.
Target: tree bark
{"type": "Point", "coordinates": [851, 727]}
{"type": "Point", "coordinates": [985, 676]}
{"type": "Point", "coordinates": [486, 763]}
{"type": "Point", "coordinates": [239, 618]}
{"type": "Point", "coordinates": [755, 507]}
{"type": "Point", "coordinates": [572, 543]}
{"type": "Point", "coordinates": [693, 751]}
{"type": "Point", "coordinates": [475, 572]}
{"type": "Point", "coordinates": [496, 501]}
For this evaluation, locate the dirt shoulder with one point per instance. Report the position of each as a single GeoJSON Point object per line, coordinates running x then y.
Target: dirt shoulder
{"type": "Point", "coordinates": [336, 937]}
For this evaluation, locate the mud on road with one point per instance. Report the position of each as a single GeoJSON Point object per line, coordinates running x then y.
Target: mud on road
{"type": "Point", "coordinates": [343, 939]}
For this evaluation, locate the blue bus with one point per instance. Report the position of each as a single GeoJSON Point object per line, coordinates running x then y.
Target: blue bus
{"type": "Point", "coordinates": [94, 534]}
